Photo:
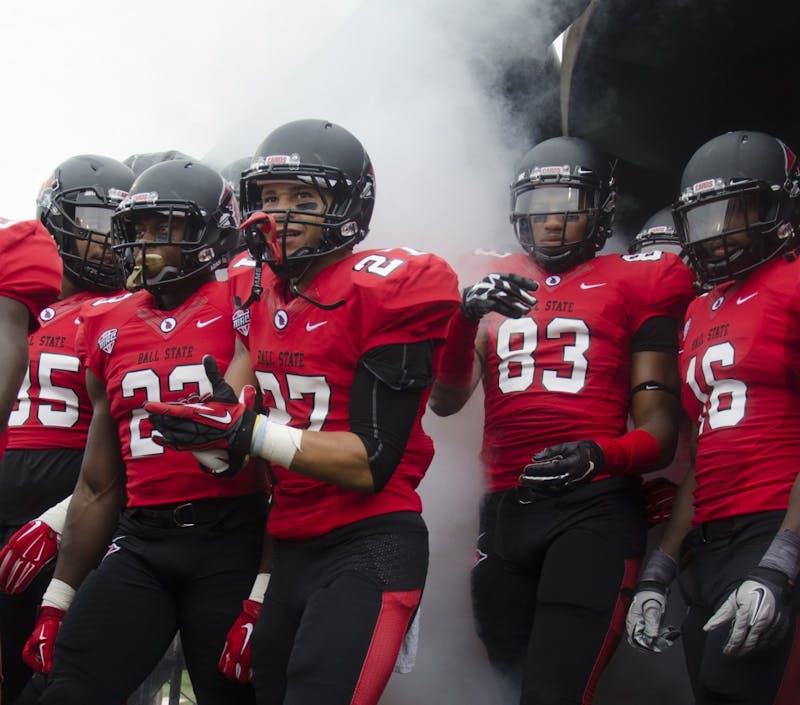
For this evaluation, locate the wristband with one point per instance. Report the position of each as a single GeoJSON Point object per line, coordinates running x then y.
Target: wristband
{"type": "Point", "coordinates": [275, 442]}
{"type": "Point", "coordinates": [458, 357]}
{"type": "Point", "coordinates": [58, 594]}
{"type": "Point", "coordinates": [660, 568]}
{"type": "Point", "coordinates": [259, 587]}
{"type": "Point", "coordinates": [783, 554]}
{"type": "Point", "coordinates": [56, 516]}
{"type": "Point", "coordinates": [631, 454]}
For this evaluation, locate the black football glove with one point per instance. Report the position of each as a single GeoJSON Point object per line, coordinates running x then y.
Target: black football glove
{"type": "Point", "coordinates": [507, 294]}
{"type": "Point", "coordinates": [219, 422]}
{"type": "Point", "coordinates": [562, 467]}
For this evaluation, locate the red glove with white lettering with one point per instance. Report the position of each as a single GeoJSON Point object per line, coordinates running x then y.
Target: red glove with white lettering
{"type": "Point", "coordinates": [38, 650]}
{"type": "Point", "coordinates": [659, 496]}
{"type": "Point", "coordinates": [236, 655]}
{"type": "Point", "coordinates": [218, 422]}
{"type": "Point", "coordinates": [29, 550]}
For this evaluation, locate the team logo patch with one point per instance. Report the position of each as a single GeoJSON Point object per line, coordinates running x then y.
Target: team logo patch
{"type": "Point", "coordinates": [47, 314]}
{"type": "Point", "coordinates": [553, 280]}
{"type": "Point", "coordinates": [715, 306]}
{"type": "Point", "coordinates": [113, 546]}
{"type": "Point", "coordinates": [107, 339]}
{"type": "Point", "coordinates": [241, 320]}
{"type": "Point", "coordinates": [281, 319]}
{"type": "Point", "coordinates": [168, 325]}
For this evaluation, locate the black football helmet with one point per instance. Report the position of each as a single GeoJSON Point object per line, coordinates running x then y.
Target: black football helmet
{"type": "Point", "coordinates": [658, 233]}
{"type": "Point", "coordinates": [176, 188]}
{"type": "Point", "coordinates": [738, 206]}
{"type": "Point", "coordinates": [75, 204]}
{"type": "Point", "coordinates": [565, 176]}
{"type": "Point", "coordinates": [330, 160]}
{"type": "Point", "coordinates": [144, 160]}
{"type": "Point", "coordinates": [233, 172]}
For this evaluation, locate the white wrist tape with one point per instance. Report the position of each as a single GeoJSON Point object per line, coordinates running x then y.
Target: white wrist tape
{"type": "Point", "coordinates": [56, 516]}
{"type": "Point", "coordinates": [58, 594]}
{"type": "Point", "coordinates": [259, 587]}
{"type": "Point", "coordinates": [275, 442]}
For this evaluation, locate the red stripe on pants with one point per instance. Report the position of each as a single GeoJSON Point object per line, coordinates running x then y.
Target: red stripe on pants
{"type": "Point", "coordinates": [790, 683]}
{"type": "Point", "coordinates": [390, 629]}
{"type": "Point", "coordinates": [615, 628]}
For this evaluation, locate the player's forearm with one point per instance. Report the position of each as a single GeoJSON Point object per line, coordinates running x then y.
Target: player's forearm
{"type": "Point", "coordinates": [336, 457]}
{"type": "Point", "coordinates": [90, 523]}
{"type": "Point", "coordinates": [792, 519]}
{"type": "Point", "coordinates": [680, 521]}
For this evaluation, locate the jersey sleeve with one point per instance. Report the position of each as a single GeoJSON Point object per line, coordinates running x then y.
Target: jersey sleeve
{"type": "Point", "coordinates": [405, 297]}
{"type": "Point", "coordinates": [31, 270]}
{"type": "Point", "coordinates": [661, 284]}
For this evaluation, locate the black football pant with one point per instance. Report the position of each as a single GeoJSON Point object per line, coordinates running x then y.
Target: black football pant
{"type": "Point", "coordinates": [552, 585]}
{"type": "Point", "coordinates": [715, 557]}
{"type": "Point", "coordinates": [336, 611]}
{"type": "Point", "coordinates": [158, 578]}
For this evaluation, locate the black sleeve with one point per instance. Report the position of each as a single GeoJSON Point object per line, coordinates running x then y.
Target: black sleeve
{"type": "Point", "coordinates": [657, 334]}
{"type": "Point", "coordinates": [384, 400]}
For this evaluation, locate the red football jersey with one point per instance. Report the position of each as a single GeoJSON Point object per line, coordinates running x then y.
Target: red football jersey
{"type": "Point", "coordinates": [31, 266]}
{"type": "Point", "coordinates": [305, 359]}
{"type": "Point", "coordinates": [740, 362]}
{"type": "Point", "coordinates": [142, 354]}
{"type": "Point", "coordinates": [562, 373]}
{"type": "Point", "coordinates": [53, 409]}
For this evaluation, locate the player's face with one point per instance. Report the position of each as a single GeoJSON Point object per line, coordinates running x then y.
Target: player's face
{"type": "Point", "coordinates": [558, 215]}
{"type": "Point", "coordinates": [729, 219]}
{"type": "Point", "coordinates": [299, 209]}
{"type": "Point", "coordinates": [97, 221]}
{"type": "Point", "coordinates": [163, 232]}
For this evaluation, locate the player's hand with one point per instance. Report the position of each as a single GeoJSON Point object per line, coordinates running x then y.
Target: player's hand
{"type": "Point", "coordinates": [659, 496]}
{"type": "Point", "coordinates": [507, 294]}
{"type": "Point", "coordinates": [29, 550]}
{"type": "Point", "coordinates": [759, 610]}
{"type": "Point", "coordinates": [220, 422]}
{"type": "Point", "coordinates": [235, 662]}
{"type": "Point", "coordinates": [38, 650]}
{"type": "Point", "coordinates": [644, 622]}
{"type": "Point", "coordinates": [562, 467]}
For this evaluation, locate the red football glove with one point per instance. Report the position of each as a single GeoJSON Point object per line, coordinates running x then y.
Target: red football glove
{"type": "Point", "coordinates": [221, 421]}
{"type": "Point", "coordinates": [38, 650]}
{"type": "Point", "coordinates": [29, 550]}
{"type": "Point", "coordinates": [236, 655]}
{"type": "Point", "coordinates": [659, 496]}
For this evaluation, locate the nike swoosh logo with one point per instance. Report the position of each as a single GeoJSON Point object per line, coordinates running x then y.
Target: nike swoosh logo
{"type": "Point", "coordinates": [312, 326]}
{"type": "Point", "coordinates": [760, 592]}
{"type": "Point", "coordinates": [217, 418]}
{"type": "Point", "coordinates": [742, 299]}
{"type": "Point", "coordinates": [584, 285]}
{"type": "Point", "coordinates": [203, 324]}
{"type": "Point", "coordinates": [248, 632]}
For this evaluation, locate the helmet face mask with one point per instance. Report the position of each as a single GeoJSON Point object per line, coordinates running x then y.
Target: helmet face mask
{"type": "Point", "coordinates": [76, 204]}
{"type": "Point", "coordinates": [658, 233]}
{"type": "Point", "coordinates": [330, 166]}
{"type": "Point", "coordinates": [190, 209]}
{"type": "Point", "coordinates": [738, 207]}
{"type": "Point", "coordinates": [563, 183]}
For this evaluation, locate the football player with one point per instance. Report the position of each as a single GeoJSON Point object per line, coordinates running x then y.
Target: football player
{"type": "Point", "coordinates": [185, 550]}
{"type": "Point", "coordinates": [658, 233]}
{"type": "Point", "coordinates": [562, 527]}
{"type": "Point", "coordinates": [735, 529]}
{"type": "Point", "coordinates": [48, 426]}
{"type": "Point", "coordinates": [342, 344]}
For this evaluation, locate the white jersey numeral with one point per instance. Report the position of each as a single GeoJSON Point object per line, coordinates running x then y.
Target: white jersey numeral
{"type": "Point", "coordinates": [726, 405]}
{"type": "Point", "coordinates": [298, 387]}
{"type": "Point", "coordinates": [517, 340]}
{"type": "Point", "coordinates": [64, 411]}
